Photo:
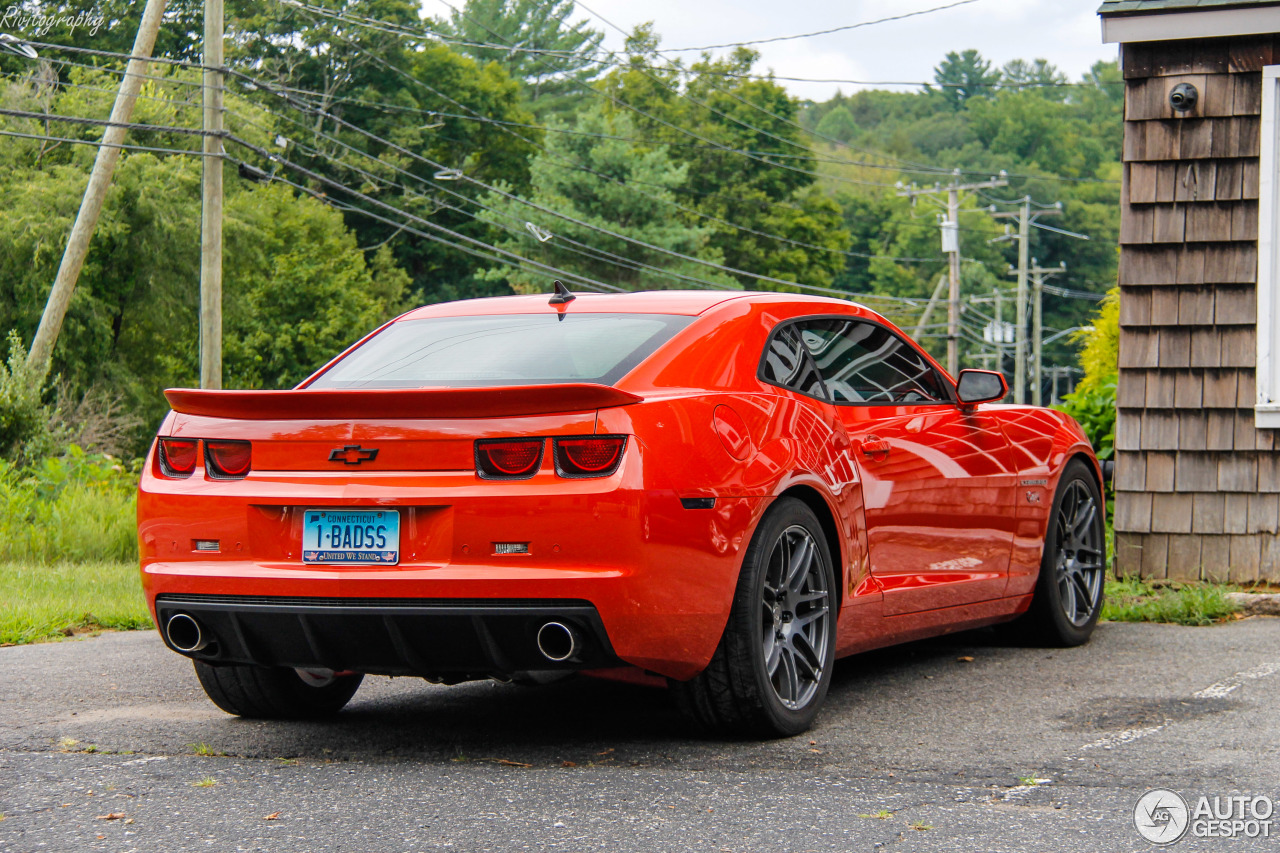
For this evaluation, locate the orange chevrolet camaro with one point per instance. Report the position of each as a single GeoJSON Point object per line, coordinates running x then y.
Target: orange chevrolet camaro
{"type": "Point", "coordinates": [726, 490]}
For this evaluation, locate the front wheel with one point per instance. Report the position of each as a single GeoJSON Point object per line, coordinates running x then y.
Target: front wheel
{"type": "Point", "coordinates": [771, 671]}
{"type": "Point", "coordinates": [1073, 569]}
{"type": "Point", "coordinates": [276, 693]}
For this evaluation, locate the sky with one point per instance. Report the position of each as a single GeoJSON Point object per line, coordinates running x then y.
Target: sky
{"type": "Point", "coordinates": [1065, 32]}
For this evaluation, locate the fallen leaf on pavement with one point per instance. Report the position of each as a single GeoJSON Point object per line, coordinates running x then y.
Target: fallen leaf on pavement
{"type": "Point", "coordinates": [272, 816]}
{"type": "Point", "coordinates": [112, 816]}
{"type": "Point", "coordinates": [568, 764]}
{"type": "Point", "coordinates": [606, 752]}
{"type": "Point", "coordinates": [509, 762]}
{"type": "Point", "coordinates": [965, 659]}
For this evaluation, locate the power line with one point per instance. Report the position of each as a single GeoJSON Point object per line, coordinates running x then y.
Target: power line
{"type": "Point", "coordinates": [97, 143]}
{"type": "Point", "coordinates": [844, 28]}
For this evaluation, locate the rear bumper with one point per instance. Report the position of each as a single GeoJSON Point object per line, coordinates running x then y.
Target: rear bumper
{"type": "Point", "coordinates": [447, 640]}
{"type": "Point", "coordinates": [659, 577]}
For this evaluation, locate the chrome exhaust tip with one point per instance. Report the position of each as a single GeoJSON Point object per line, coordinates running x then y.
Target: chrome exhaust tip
{"type": "Point", "coordinates": [558, 642]}
{"type": "Point", "coordinates": [185, 633]}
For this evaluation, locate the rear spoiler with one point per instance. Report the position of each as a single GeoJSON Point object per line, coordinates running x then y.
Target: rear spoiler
{"type": "Point", "coordinates": [437, 403]}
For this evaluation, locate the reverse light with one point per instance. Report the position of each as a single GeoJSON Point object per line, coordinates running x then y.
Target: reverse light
{"type": "Point", "coordinates": [178, 456]}
{"type": "Point", "coordinates": [589, 456]}
{"type": "Point", "coordinates": [228, 460]}
{"type": "Point", "coordinates": [508, 458]}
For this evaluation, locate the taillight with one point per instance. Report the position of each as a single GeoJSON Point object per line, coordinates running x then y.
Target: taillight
{"type": "Point", "coordinates": [589, 456]}
{"type": "Point", "coordinates": [178, 456]}
{"type": "Point", "coordinates": [228, 460]}
{"type": "Point", "coordinates": [508, 458]}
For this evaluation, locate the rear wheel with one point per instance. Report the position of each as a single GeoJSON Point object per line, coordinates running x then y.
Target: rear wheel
{"type": "Point", "coordinates": [1069, 591]}
{"type": "Point", "coordinates": [770, 673]}
{"type": "Point", "coordinates": [276, 693]}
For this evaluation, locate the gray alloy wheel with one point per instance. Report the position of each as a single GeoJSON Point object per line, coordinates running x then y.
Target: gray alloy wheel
{"type": "Point", "coordinates": [770, 673]}
{"type": "Point", "coordinates": [1069, 592]}
{"type": "Point", "coordinates": [795, 606]}
{"type": "Point", "coordinates": [1078, 565]}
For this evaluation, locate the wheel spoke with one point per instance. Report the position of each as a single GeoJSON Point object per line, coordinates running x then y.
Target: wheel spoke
{"type": "Point", "coordinates": [801, 561]}
{"type": "Point", "coordinates": [790, 677]}
{"type": "Point", "coordinates": [807, 657]}
{"type": "Point", "coordinates": [1068, 591]}
{"type": "Point", "coordinates": [772, 655]}
{"type": "Point", "coordinates": [1083, 518]}
{"type": "Point", "coordinates": [802, 620]}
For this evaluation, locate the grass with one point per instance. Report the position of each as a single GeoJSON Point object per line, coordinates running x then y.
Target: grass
{"type": "Point", "coordinates": [1135, 600]}
{"type": "Point", "coordinates": [43, 602]}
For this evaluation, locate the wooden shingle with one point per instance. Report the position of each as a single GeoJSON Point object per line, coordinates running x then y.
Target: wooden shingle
{"type": "Point", "coordinates": [1228, 180]}
{"type": "Point", "coordinates": [1196, 472]}
{"type": "Point", "coordinates": [1215, 558]}
{"type": "Point", "coordinates": [1160, 385]}
{"type": "Point", "coordinates": [1131, 472]}
{"type": "Point", "coordinates": [1264, 513]}
{"type": "Point", "coordinates": [1159, 430]}
{"type": "Point", "coordinates": [1137, 224]}
{"type": "Point", "coordinates": [1170, 224]}
{"type": "Point", "coordinates": [1194, 181]}
{"type": "Point", "coordinates": [1174, 347]}
{"type": "Point", "coordinates": [1165, 304]}
{"type": "Point", "coordinates": [1133, 511]}
{"type": "Point", "coordinates": [1245, 558]}
{"type": "Point", "coordinates": [1135, 306]}
{"type": "Point", "coordinates": [1207, 512]}
{"type": "Point", "coordinates": [1139, 348]}
{"type": "Point", "coordinates": [1184, 556]}
{"type": "Point", "coordinates": [1155, 555]}
{"type": "Point", "coordinates": [1220, 389]}
{"type": "Point", "coordinates": [1128, 553]}
{"type": "Point", "coordinates": [1246, 389]}
{"type": "Point", "coordinates": [1235, 513]}
{"type": "Point", "coordinates": [1206, 348]}
{"type": "Point", "coordinates": [1238, 472]}
{"type": "Point", "coordinates": [1244, 221]}
{"type": "Point", "coordinates": [1171, 512]}
{"type": "Point", "coordinates": [1235, 306]}
{"type": "Point", "coordinates": [1195, 306]}
{"type": "Point", "coordinates": [1220, 432]}
{"type": "Point", "coordinates": [1188, 390]}
{"type": "Point", "coordinates": [1246, 95]}
{"type": "Point", "coordinates": [1141, 182]}
{"type": "Point", "coordinates": [1160, 472]}
{"type": "Point", "coordinates": [1193, 428]}
{"type": "Point", "coordinates": [1131, 389]}
{"type": "Point", "coordinates": [1249, 55]}
{"type": "Point", "coordinates": [1239, 346]}
{"type": "Point", "coordinates": [1128, 430]}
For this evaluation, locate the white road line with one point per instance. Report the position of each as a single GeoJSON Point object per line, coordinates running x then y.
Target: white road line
{"type": "Point", "coordinates": [1115, 739]}
{"type": "Point", "coordinates": [1230, 684]}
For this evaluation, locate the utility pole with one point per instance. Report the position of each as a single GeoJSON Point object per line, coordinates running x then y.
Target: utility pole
{"type": "Point", "coordinates": [1038, 274]}
{"type": "Point", "coordinates": [95, 193]}
{"type": "Point", "coordinates": [928, 309]}
{"type": "Point", "coordinates": [951, 247]}
{"type": "Point", "coordinates": [211, 206]}
{"type": "Point", "coordinates": [1026, 217]}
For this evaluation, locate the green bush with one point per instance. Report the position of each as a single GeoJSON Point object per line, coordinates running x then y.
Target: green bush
{"type": "Point", "coordinates": [74, 507]}
{"type": "Point", "coordinates": [1094, 408]}
{"type": "Point", "coordinates": [22, 414]}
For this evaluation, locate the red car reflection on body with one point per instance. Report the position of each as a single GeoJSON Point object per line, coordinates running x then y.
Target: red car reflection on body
{"type": "Point", "coordinates": [727, 490]}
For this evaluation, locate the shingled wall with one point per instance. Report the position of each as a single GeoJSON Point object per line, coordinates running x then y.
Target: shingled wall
{"type": "Point", "coordinates": [1197, 486]}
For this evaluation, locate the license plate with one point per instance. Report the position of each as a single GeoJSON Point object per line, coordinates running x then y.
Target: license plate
{"type": "Point", "coordinates": [367, 537]}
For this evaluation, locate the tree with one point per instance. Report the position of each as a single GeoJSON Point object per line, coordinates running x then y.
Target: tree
{"type": "Point", "coordinates": [838, 124]}
{"type": "Point", "coordinates": [961, 76]}
{"type": "Point", "coordinates": [533, 41]}
{"type": "Point", "coordinates": [1018, 73]}
{"type": "Point", "coordinates": [614, 204]}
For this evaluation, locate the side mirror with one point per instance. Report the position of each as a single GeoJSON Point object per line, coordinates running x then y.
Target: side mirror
{"type": "Point", "coordinates": [981, 386]}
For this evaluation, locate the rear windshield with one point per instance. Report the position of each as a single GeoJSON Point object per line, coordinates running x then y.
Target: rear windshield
{"type": "Point", "coordinates": [507, 349]}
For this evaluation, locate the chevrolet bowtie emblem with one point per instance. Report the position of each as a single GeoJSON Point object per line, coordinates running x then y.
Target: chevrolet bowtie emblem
{"type": "Point", "coordinates": [353, 454]}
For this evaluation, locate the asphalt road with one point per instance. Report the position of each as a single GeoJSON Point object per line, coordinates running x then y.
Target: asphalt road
{"type": "Point", "coordinates": [917, 749]}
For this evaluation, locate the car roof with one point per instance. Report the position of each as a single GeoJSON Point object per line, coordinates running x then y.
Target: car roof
{"type": "Point", "coordinates": [682, 302]}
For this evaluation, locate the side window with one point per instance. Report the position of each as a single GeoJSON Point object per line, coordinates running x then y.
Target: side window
{"type": "Point", "coordinates": [787, 364]}
{"type": "Point", "coordinates": [861, 362]}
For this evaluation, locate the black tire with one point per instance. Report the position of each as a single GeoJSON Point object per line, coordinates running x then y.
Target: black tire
{"type": "Point", "coordinates": [273, 693]}
{"type": "Point", "coordinates": [1069, 591]}
{"type": "Point", "coordinates": [769, 675]}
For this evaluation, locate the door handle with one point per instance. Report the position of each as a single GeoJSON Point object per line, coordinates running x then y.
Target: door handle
{"type": "Point", "coordinates": [874, 445]}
